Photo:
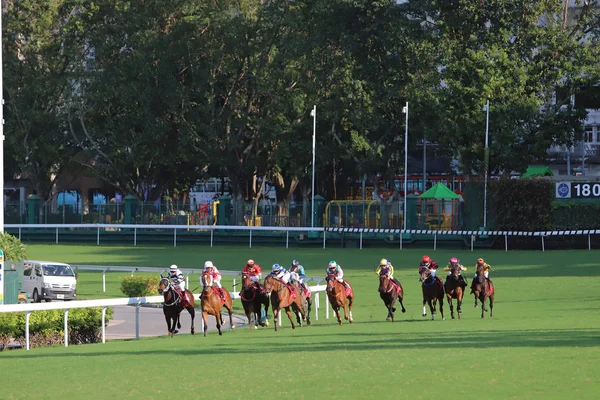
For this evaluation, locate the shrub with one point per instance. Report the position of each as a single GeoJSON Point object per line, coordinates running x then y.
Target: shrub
{"type": "Point", "coordinates": [139, 286]}
{"type": "Point", "coordinates": [46, 327]}
{"type": "Point", "coordinates": [13, 249]}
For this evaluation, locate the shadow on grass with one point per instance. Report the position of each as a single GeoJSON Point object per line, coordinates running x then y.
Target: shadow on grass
{"type": "Point", "coordinates": [354, 341]}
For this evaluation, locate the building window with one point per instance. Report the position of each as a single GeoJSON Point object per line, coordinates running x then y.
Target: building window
{"type": "Point", "coordinates": [591, 134]}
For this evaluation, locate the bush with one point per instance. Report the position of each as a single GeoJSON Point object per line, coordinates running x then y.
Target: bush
{"type": "Point", "coordinates": [139, 286]}
{"type": "Point", "coordinates": [46, 327]}
{"type": "Point", "coordinates": [13, 249]}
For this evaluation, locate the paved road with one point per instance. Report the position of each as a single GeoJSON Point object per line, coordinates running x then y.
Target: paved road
{"type": "Point", "coordinates": [152, 322]}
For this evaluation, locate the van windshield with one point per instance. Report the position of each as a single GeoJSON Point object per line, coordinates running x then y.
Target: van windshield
{"type": "Point", "coordinates": [57, 270]}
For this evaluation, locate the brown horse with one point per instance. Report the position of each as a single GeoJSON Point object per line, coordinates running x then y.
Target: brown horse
{"type": "Point", "coordinates": [336, 293]}
{"type": "Point", "coordinates": [389, 293]}
{"type": "Point", "coordinates": [281, 297]}
{"type": "Point", "coordinates": [211, 303]}
{"type": "Point", "coordinates": [173, 305]}
{"type": "Point", "coordinates": [483, 289]}
{"type": "Point", "coordinates": [253, 297]}
{"type": "Point", "coordinates": [455, 288]}
{"type": "Point", "coordinates": [433, 292]}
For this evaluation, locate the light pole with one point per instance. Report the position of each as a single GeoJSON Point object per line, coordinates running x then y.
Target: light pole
{"type": "Point", "coordinates": [405, 111]}
{"type": "Point", "coordinates": [313, 113]}
{"type": "Point", "coordinates": [1, 134]}
{"type": "Point", "coordinates": [486, 161]}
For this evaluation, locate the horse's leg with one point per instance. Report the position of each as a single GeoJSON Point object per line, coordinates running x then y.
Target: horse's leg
{"type": "Point", "coordinates": [350, 302]}
{"type": "Point", "coordinates": [424, 307]}
{"type": "Point", "coordinates": [249, 316]}
{"type": "Point", "coordinates": [193, 315]}
{"type": "Point", "coordinates": [476, 295]}
{"type": "Point", "coordinates": [491, 305]}
{"type": "Point", "coordinates": [459, 297]}
{"type": "Point", "coordinates": [229, 307]}
{"type": "Point", "coordinates": [430, 303]}
{"type": "Point", "coordinates": [289, 314]}
{"type": "Point", "coordinates": [441, 299]}
{"type": "Point", "coordinates": [309, 309]}
{"type": "Point", "coordinates": [276, 315]}
{"type": "Point", "coordinates": [205, 321]}
{"type": "Point", "coordinates": [449, 298]}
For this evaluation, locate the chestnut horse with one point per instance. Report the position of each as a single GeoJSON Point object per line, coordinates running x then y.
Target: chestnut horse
{"type": "Point", "coordinates": [211, 303]}
{"type": "Point", "coordinates": [253, 300]}
{"type": "Point", "coordinates": [483, 289]}
{"type": "Point", "coordinates": [281, 298]}
{"type": "Point", "coordinates": [389, 293]}
{"type": "Point", "coordinates": [173, 305]}
{"type": "Point", "coordinates": [455, 288]}
{"type": "Point", "coordinates": [336, 293]}
{"type": "Point", "coordinates": [433, 292]}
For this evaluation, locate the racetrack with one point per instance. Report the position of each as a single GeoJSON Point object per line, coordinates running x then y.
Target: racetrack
{"type": "Point", "coordinates": [543, 342]}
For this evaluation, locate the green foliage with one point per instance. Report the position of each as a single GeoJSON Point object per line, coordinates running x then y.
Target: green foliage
{"type": "Point", "coordinates": [576, 215]}
{"type": "Point", "coordinates": [12, 247]}
{"type": "Point", "coordinates": [139, 286]}
{"type": "Point", "coordinates": [522, 204]}
{"type": "Point", "coordinates": [46, 327]}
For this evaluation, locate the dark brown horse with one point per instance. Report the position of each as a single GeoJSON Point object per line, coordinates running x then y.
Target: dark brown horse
{"type": "Point", "coordinates": [254, 297]}
{"type": "Point", "coordinates": [336, 293]}
{"type": "Point", "coordinates": [483, 289]}
{"type": "Point", "coordinates": [390, 293]}
{"type": "Point", "coordinates": [433, 292]}
{"type": "Point", "coordinates": [281, 297]}
{"type": "Point", "coordinates": [455, 288]}
{"type": "Point", "coordinates": [173, 305]}
{"type": "Point", "coordinates": [211, 303]}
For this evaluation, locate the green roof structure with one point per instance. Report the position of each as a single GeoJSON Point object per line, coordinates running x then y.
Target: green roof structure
{"type": "Point", "coordinates": [439, 192]}
{"type": "Point", "coordinates": [533, 171]}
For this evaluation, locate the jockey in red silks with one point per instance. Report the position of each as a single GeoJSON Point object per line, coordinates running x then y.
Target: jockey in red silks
{"type": "Point", "coordinates": [253, 272]}
{"type": "Point", "coordinates": [216, 276]}
{"type": "Point", "coordinates": [432, 266]}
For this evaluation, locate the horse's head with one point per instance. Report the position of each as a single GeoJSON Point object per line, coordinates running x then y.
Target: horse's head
{"type": "Point", "coordinates": [246, 281]}
{"type": "Point", "coordinates": [269, 283]}
{"type": "Point", "coordinates": [384, 282]}
{"type": "Point", "coordinates": [207, 280]}
{"type": "Point", "coordinates": [480, 270]}
{"type": "Point", "coordinates": [455, 272]}
{"type": "Point", "coordinates": [164, 286]}
{"type": "Point", "coordinates": [330, 280]}
{"type": "Point", "coordinates": [425, 273]}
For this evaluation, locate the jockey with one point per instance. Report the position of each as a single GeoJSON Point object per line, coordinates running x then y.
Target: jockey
{"type": "Point", "coordinates": [453, 262]}
{"type": "Point", "coordinates": [253, 271]}
{"type": "Point", "coordinates": [486, 266]}
{"type": "Point", "coordinates": [215, 274]}
{"type": "Point", "coordinates": [432, 266]}
{"type": "Point", "coordinates": [386, 268]}
{"type": "Point", "coordinates": [297, 273]}
{"type": "Point", "coordinates": [335, 270]}
{"type": "Point", "coordinates": [176, 278]}
{"type": "Point", "coordinates": [280, 273]}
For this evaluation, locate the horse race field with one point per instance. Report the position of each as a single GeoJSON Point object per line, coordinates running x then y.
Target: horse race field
{"type": "Point", "coordinates": [542, 343]}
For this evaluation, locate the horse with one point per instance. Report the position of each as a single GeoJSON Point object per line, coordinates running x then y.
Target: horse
{"type": "Point", "coordinates": [389, 293]}
{"type": "Point", "coordinates": [483, 289]}
{"type": "Point", "coordinates": [252, 300]}
{"type": "Point", "coordinates": [454, 288]}
{"type": "Point", "coordinates": [336, 293]}
{"type": "Point", "coordinates": [432, 292]}
{"type": "Point", "coordinates": [211, 303]}
{"type": "Point", "coordinates": [173, 305]}
{"type": "Point", "coordinates": [281, 297]}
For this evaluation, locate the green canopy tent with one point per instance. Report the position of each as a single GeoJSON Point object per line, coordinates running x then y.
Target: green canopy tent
{"type": "Point", "coordinates": [442, 215]}
{"type": "Point", "coordinates": [533, 171]}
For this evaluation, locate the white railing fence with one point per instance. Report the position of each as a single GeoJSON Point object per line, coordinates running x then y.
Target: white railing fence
{"type": "Point", "coordinates": [353, 233]}
{"type": "Point", "coordinates": [131, 301]}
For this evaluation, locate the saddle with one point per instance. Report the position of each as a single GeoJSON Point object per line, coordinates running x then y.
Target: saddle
{"type": "Point", "coordinates": [292, 290]}
{"type": "Point", "coordinates": [182, 298]}
{"type": "Point", "coordinates": [219, 292]}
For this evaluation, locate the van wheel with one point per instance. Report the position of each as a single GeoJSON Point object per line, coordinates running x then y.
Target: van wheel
{"type": "Point", "coordinates": [36, 296]}
{"type": "Point", "coordinates": [47, 300]}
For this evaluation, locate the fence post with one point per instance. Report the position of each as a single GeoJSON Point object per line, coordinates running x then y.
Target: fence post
{"type": "Point", "coordinates": [104, 280]}
{"type": "Point", "coordinates": [137, 321]}
{"type": "Point", "coordinates": [27, 329]}
{"type": "Point", "coordinates": [589, 242]}
{"type": "Point", "coordinates": [56, 235]}
{"type": "Point", "coordinates": [287, 239]}
{"type": "Point", "coordinates": [66, 328]}
{"type": "Point", "coordinates": [505, 242]}
{"type": "Point", "coordinates": [134, 237]}
{"type": "Point", "coordinates": [175, 237]}
{"type": "Point", "coordinates": [543, 246]}
{"type": "Point", "coordinates": [98, 237]}
{"type": "Point", "coordinates": [472, 239]}
{"type": "Point", "coordinates": [211, 237]}
{"type": "Point", "coordinates": [360, 240]}
{"type": "Point", "coordinates": [400, 240]}
{"type": "Point", "coordinates": [434, 241]}
{"type": "Point", "coordinates": [326, 307]}
{"type": "Point", "coordinates": [103, 325]}
{"type": "Point", "coordinates": [250, 244]}
{"type": "Point", "coordinates": [316, 306]}
{"type": "Point", "coordinates": [324, 238]}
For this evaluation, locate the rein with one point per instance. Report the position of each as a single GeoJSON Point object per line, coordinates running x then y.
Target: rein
{"type": "Point", "coordinates": [173, 296]}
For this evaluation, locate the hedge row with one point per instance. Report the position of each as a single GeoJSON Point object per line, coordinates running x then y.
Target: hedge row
{"type": "Point", "coordinates": [46, 327]}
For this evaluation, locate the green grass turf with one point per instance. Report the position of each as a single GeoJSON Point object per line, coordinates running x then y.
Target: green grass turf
{"type": "Point", "coordinates": [543, 342]}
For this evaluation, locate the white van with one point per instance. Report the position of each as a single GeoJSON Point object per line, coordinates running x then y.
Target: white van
{"type": "Point", "coordinates": [48, 280]}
